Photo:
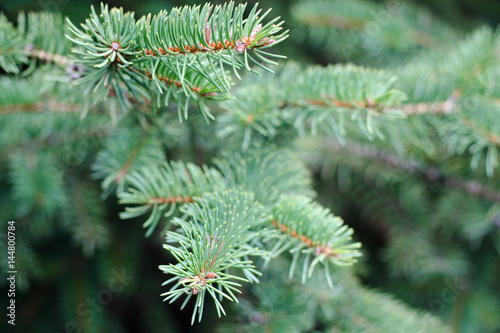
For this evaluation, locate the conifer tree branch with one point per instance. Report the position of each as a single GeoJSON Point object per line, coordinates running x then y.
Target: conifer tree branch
{"type": "Point", "coordinates": [36, 36]}
{"type": "Point", "coordinates": [124, 152]}
{"type": "Point", "coordinates": [492, 138]}
{"type": "Point", "coordinates": [217, 238]}
{"type": "Point", "coordinates": [58, 59]}
{"type": "Point", "coordinates": [391, 161]}
{"type": "Point", "coordinates": [159, 190]}
{"type": "Point", "coordinates": [178, 84]}
{"type": "Point", "coordinates": [47, 106]}
{"type": "Point", "coordinates": [130, 160]}
{"type": "Point", "coordinates": [367, 32]}
{"type": "Point", "coordinates": [336, 21]}
{"type": "Point", "coordinates": [408, 109]}
{"type": "Point", "coordinates": [473, 188]}
{"type": "Point", "coordinates": [312, 232]}
{"type": "Point", "coordinates": [163, 200]}
{"type": "Point", "coordinates": [184, 50]}
{"type": "Point", "coordinates": [445, 107]}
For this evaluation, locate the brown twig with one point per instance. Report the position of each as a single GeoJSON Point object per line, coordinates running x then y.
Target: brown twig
{"type": "Point", "coordinates": [471, 187]}
{"type": "Point", "coordinates": [239, 45]}
{"type": "Point", "coordinates": [304, 239]}
{"type": "Point", "coordinates": [173, 82]}
{"type": "Point", "coordinates": [491, 137]}
{"type": "Point", "coordinates": [57, 59]}
{"type": "Point", "coordinates": [41, 106]}
{"type": "Point", "coordinates": [163, 200]}
{"type": "Point", "coordinates": [130, 161]}
{"type": "Point", "coordinates": [444, 107]}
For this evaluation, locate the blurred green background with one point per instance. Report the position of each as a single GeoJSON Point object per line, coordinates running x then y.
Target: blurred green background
{"type": "Point", "coordinates": [459, 13]}
{"type": "Point", "coordinates": [131, 306]}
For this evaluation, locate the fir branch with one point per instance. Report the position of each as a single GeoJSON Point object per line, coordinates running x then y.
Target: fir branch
{"type": "Point", "coordinates": [178, 199]}
{"type": "Point", "coordinates": [11, 54]}
{"type": "Point", "coordinates": [472, 187]}
{"type": "Point", "coordinates": [358, 22]}
{"type": "Point", "coordinates": [106, 49]}
{"type": "Point", "coordinates": [58, 59]}
{"type": "Point", "coordinates": [492, 138]}
{"type": "Point", "coordinates": [445, 107]}
{"type": "Point", "coordinates": [37, 36]}
{"type": "Point", "coordinates": [120, 175]}
{"type": "Point", "coordinates": [199, 89]}
{"type": "Point", "coordinates": [36, 94]}
{"type": "Point", "coordinates": [121, 54]}
{"type": "Point", "coordinates": [209, 30]}
{"type": "Point", "coordinates": [312, 232]}
{"type": "Point", "coordinates": [125, 152]}
{"type": "Point", "coordinates": [319, 249]}
{"type": "Point", "coordinates": [343, 95]}
{"type": "Point", "coordinates": [239, 46]}
{"type": "Point", "coordinates": [370, 105]}
{"type": "Point", "coordinates": [266, 172]}
{"type": "Point", "coordinates": [475, 130]}
{"type": "Point", "coordinates": [413, 166]}
{"type": "Point", "coordinates": [48, 106]}
{"type": "Point", "coordinates": [215, 240]}
{"type": "Point", "coordinates": [159, 190]}
{"type": "Point", "coordinates": [367, 33]}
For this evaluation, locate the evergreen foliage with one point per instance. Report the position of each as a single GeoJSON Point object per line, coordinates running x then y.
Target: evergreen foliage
{"type": "Point", "coordinates": [399, 133]}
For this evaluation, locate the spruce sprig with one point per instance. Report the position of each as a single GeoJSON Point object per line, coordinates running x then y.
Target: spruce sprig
{"type": "Point", "coordinates": [216, 35]}
{"type": "Point", "coordinates": [11, 54]}
{"type": "Point", "coordinates": [345, 100]}
{"type": "Point", "coordinates": [36, 37]}
{"type": "Point", "coordinates": [160, 190]}
{"type": "Point", "coordinates": [313, 233]}
{"type": "Point", "coordinates": [106, 49]}
{"type": "Point", "coordinates": [186, 50]}
{"type": "Point", "coordinates": [266, 172]}
{"type": "Point", "coordinates": [213, 242]}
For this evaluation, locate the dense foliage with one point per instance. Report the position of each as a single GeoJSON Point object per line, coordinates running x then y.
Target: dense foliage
{"type": "Point", "coordinates": [259, 181]}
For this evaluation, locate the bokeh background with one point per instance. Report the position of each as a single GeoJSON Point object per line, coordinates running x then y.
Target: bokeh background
{"type": "Point", "coordinates": [130, 261]}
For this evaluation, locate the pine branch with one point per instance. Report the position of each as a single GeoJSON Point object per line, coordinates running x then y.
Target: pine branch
{"type": "Point", "coordinates": [214, 241]}
{"type": "Point", "coordinates": [474, 129]}
{"type": "Point", "coordinates": [159, 190]}
{"type": "Point", "coordinates": [493, 138]}
{"type": "Point", "coordinates": [11, 54]}
{"type": "Point", "coordinates": [368, 33]}
{"type": "Point", "coordinates": [313, 233]}
{"type": "Point", "coordinates": [58, 59]}
{"type": "Point", "coordinates": [48, 106]}
{"type": "Point", "coordinates": [344, 96]}
{"type": "Point", "coordinates": [186, 48]}
{"type": "Point", "coordinates": [196, 88]}
{"type": "Point", "coordinates": [206, 31]}
{"type": "Point", "coordinates": [266, 172]}
{"type": "Point", "coordinates": [350, 307]}
{"type": "Point", "coordinates": [37, 36]}
{"type": "Point", "coordinates": [126, 151]}
{"type": "Point", "coordinates": [466, 69]}
{"type": "Point", "coordinates": [413, 166]}
{"type": "Point", "coordinates": [446, 107]}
